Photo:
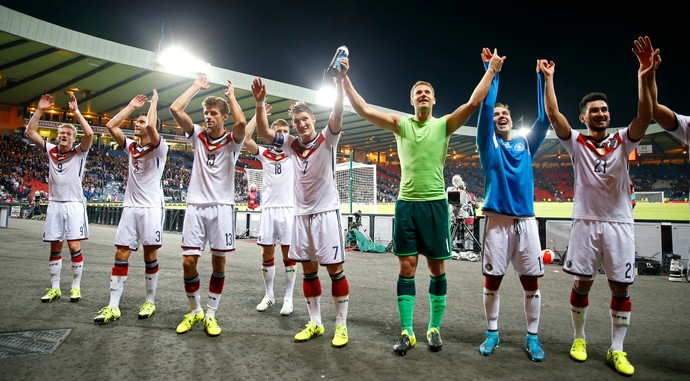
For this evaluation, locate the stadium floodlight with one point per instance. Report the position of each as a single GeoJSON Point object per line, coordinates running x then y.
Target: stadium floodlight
{"type": "Point", "coordinates": [177, 60]}
{"type": "Point", "coordinates": [523, 131]}
{"type": "Point", "coordinates": [326, 97]}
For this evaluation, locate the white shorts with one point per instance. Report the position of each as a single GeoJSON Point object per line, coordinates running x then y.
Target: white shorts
{"type": "Point", "coordinates": [594, 242]}
{"type": "Point", "coordinates": [137, 225]}
{"type": "Point", "coordinates": [276, 225]}
{"type": "Point", "coordinates": [66, 221]}
{"type": "Point", "coordinates": [214, 224]}
{"type": "Point", "coordinates": [318, 238]}
{"type": "Point", "coordinates": [512, 240]}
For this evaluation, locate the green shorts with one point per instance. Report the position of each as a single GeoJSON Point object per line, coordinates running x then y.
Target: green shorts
{"type": "Point", "coordinates": [422, 228]}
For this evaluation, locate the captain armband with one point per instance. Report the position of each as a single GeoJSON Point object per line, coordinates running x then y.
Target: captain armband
{"type": "Point", "coordinates": [279, 140]}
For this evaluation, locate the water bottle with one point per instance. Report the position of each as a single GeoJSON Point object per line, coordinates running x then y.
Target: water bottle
{"type": "Point", "coordinates": [334, 67]}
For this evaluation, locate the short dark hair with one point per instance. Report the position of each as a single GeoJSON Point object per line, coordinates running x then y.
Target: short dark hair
{"type": "Point", "coordinates": [213, 101]}
{"type": "Point", "coordinates": [159, 124]}
{"type": "Point", "coordinates": [596, 96]}
{"type": "Point", "coordinates": [299, 107]}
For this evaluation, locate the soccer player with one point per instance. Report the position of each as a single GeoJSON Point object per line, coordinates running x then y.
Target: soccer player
{"type": "Point", "coordinates": [276, 213]}
{"type": "Point", "coordinates": [144, 208]}
{"type": "Point", "coordinates": [676, 124]}
{"type": "Point", "coordinates": [210, 214]}
{"type": "Point", "coordinates": [603, 224]}
{"type": "Point", "coordinates": [421, 212]}
{"type": "Point", "coordinates": [317, 234]}
{"type": "Point", "coordinates": [512, 231]}
{"type": "Point", "coordinates": [66, 216]}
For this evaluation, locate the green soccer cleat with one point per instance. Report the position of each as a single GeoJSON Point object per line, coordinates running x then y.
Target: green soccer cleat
{"type": "Point", "coordinates": [107, 314]}
{"type": "Point", "coordinates": [433, 338]}
{"type": "Point", "coordinates": [405, 342]}
{"type": "Point", "coordinates": [52, 294]}
{"type": "Point", "coordinates": [310, 331]}
{"type": "Point", "coordinates": [340, 337]}
{"type": "Point", "coordinates": [618, 360]}
{"type": "Point", "coordinates": [74, 295]}
{"type": "Point", "coordinates": [147, 310]}
{"type": "Point", "coordinates": [211, 326]}
{"type": "Point", "coordinates": [578, 351]}
{"type": "Point", "coordinates": [189, 321]}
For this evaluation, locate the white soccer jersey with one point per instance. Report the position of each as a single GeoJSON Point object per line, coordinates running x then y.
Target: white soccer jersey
{"type": "Point", "coordinates": [314, 168]}
{"type": "Point", "coordinates": [278, 181]}
{"type": "Point", "coordinates": [682, 133]}
{"type": "Point", "coordinates": [213, 171]}
{"type": "Point", "coordinates": [146, 164]}
{"type": "Point", "coordinates": [66, 171]}
{"type": "Point", "coordinates": [602, 183]}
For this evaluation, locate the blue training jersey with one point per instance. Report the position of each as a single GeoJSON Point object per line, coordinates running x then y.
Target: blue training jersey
{"type": "Point", "coordinates": [507, 165]}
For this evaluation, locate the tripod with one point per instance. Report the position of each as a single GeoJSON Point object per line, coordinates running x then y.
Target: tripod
{"type": "Point", "coordinates": [460, 231]}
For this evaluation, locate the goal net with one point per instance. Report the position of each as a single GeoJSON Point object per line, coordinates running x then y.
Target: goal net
{"type": "Point", "coordinates": [255, 176]}
{"type": "Point", "coordinates": [357, 186]}
{"type": "Point", "coordinates": [649, 196]}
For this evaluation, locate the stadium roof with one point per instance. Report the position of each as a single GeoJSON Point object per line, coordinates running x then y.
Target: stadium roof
{"type": "Point", "coordinates": [37, 57]}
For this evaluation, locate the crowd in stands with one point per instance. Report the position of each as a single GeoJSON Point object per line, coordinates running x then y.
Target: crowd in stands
{"type": "Point", "coordinates": [24, 173]}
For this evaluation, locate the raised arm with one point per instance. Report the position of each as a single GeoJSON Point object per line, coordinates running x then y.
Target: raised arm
{"type": "Point", "coordinates": [87, 139]}
{"type": "Point", "coordinates": [152, 120]}
{"type": "Point", "coordinates": [249, 141]}
{"type": "Point", "coordinates": [113, 124]}
{"type": "Point", "coordinates": [485, 119]}
{"type": "Point", "coordinates": [374, 116]}
{"type": "Point", "coordinates": [661, 114]}
{"type": "Point", "coordinates": [335, 120]}
{"type": "Point", "coordinates": [237, 114]}
{"type": "Point", "coordinates": [177, 108]}
{"type": "Point", "coordinates": [261, 114]}
{"type": "Point", "coordinates": [44, 103]}
{"type": "Point", "coordinates": [645, 55]}
{"type": "Point", "coordinates": [541, 125]}
{"type": "Point", "coordinates": [461, 114]}
{"type": "Point", "coordinates": [558, 120]}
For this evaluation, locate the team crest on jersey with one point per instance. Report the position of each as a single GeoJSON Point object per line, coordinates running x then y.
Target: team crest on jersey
{"type": "Point", "coordinates": [519, 146]}
{"type": "Point", "coordinates": [274, 155]}
{"type": "Point", "coordinates": [214, 144]}
{"type": "Point", "coordinates": [305, 152]}
{"type": "Point", "coordinates": [138, 151]}
{"type": "Point", "coordinates": [59, 156]}
{"type": "Point", "coordinates": [602, 148]}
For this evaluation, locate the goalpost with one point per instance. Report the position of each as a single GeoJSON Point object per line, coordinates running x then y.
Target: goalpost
{"type": "Point", "coordinates": [357, 186]}
{"type": "Point", "coordinates": [649, 196]}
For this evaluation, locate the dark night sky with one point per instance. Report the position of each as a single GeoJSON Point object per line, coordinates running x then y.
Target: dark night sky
{"type": "Point", "coordinates": [392, 46]}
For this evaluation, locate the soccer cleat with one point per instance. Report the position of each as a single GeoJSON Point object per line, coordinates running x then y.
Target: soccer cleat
{"type": "Point", "coordinates": [287, 308]}
{"type": "Point", "coordinates": [74, 295]}
{"type": "Point", "coordinates": [533, 348]}
{"type": "Point", "coordinates": [618, 360]}
{"type": "Point", "coordinates": [189, 321]}
{"type": "Point", "coordinates": [107, 314]}
{"type": "Point", "coordinates": [211, 326]}
{"type": "Point", "coordinates": [310, 332]}
{"type": "Point", "coordinates": [265, 304]}
{"type": "Point", "coordinates": [490, 344]}
{"type": "Point", "coordinates": [340, 337]}
{"type": "Point", "coordinates": [578, 351]}
{"type": "Point", "coordinates": [433, 338]}
{"type": "Point", "coordinates": [147, 310]}
{"type": "Point", "coordinates": [405, 343]}
{"type": "Point", "coordinates": [52, 294]}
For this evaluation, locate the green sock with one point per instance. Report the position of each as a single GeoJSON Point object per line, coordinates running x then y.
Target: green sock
{"type": "Point", "coordinates": [438, 287]}
{"type": "Point", "coordinates": [406, 297]}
